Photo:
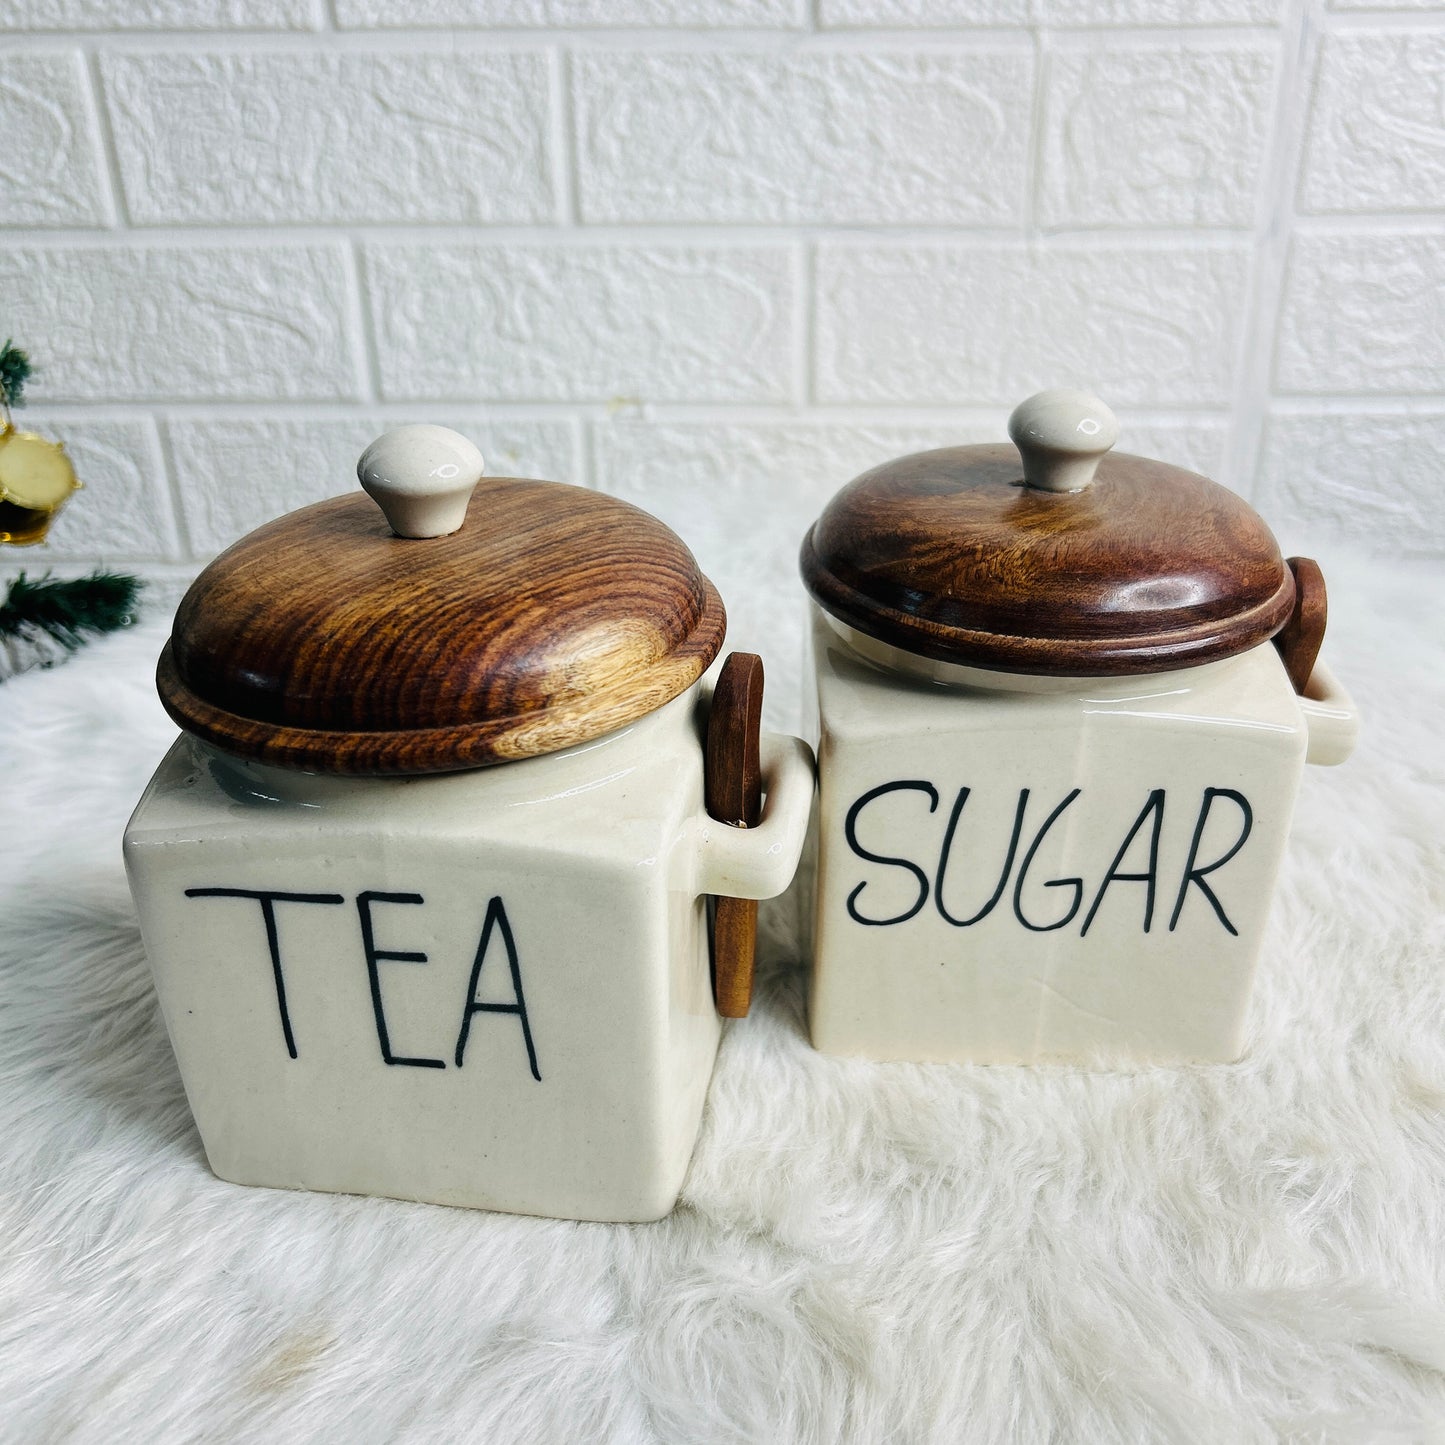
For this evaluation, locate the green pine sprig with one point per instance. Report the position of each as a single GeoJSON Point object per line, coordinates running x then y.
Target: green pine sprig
{"type": "Point", "coordinates": [69, 611]}
{"type": "Point", "coordinates": [14, 373]}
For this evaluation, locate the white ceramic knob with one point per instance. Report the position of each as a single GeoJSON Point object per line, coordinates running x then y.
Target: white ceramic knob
{"type": "Point", "coordinates": [1061, 435]}
{"type": "Point", "coordinates": [422, 477]}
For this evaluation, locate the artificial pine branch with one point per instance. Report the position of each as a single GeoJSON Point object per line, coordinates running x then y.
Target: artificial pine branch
{"type": "Point", "coordinates": [43, 622]}
{"type": "Point", "coordinates": [70, 610]}
{"type": "Point", "coordinates": [14, 373]}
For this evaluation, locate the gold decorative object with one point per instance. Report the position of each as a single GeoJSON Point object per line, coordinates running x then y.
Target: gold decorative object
{"type": "Point", "coordinates": [36, 480]}
{"type": "Point", "coordinates": [36, 477]}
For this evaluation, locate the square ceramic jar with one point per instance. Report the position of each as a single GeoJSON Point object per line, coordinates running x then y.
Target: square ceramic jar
{"type": "Point", "coordinates": [1062, 705]}
{"type": "Point", "coordinates": [423, 884]}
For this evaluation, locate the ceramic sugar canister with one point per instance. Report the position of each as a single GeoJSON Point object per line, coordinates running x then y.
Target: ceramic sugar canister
{"type": "Point", "coordinates": [1063, 701]}
{"type": "Point", "coordinates": [424, 881]}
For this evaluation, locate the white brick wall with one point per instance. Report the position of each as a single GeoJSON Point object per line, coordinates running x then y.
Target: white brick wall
{"type": "Point", "coordinates": [194, 321]}
{"type": "Point", "coordinates": [328, 138]}
{"type": "Point", "coordinates": [51, 173]}
{"type": "Point", "coordinates": [818, 139]}
{"type": "Point", "coordinates": [1364, 312]}
{"type": "Point", "coordinates": [1376, 142]}
{"type": "Point", "coordinates": [583, 323]}
{"type": "Point", "coordinates": [1155, 134]}
{"type": "Point", "coordinates": [719, 255]}
{"type": "Point", "coordinates": [946, 323]}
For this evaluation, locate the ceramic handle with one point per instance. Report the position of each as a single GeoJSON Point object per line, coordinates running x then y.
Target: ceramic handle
{"type": "Point", "coordinates": [760, 862]}
{"type": "Point", "coordinates": [1061, 436]}
{"type": "Point", "coordinates": [1331, 716]}
{"type": "Point", "coordinates": [422, 478]}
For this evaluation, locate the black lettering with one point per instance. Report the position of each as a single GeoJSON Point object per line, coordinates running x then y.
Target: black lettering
{"type": "Point", "coordinates": [268, 902]}
{"type": "Point", "coordinates": [1077, 884]}
{"type": "Point", "coordinates": [375, 956]}
{"type": "Point", "coordinates": [1155, 805]}
{"type": "Point", "coordinates": [1196, 875]}
{"type": "Point", "coordinates": [496, 918]}
{"type": "Point", "coordinates": [850, 832]}
{"type": "Point", "coordinates": [947, 853]}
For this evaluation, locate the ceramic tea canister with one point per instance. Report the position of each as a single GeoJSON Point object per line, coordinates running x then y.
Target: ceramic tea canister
{"type": "Point", "coordinates": [423, 883]}
{"type": "Point", "coordinates": [1063, 701]}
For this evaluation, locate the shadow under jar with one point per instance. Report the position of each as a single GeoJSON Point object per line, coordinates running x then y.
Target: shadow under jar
{"type": "Point", "coordinates": [424, 881]}
{"type": "Point", "coordinates": [1063, 701]}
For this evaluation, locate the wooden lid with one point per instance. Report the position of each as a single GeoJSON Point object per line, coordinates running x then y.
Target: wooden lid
{"type": "Point", "coordinates": [1049, 556]}
{"type": "Point", "coordinates": [551, 615]}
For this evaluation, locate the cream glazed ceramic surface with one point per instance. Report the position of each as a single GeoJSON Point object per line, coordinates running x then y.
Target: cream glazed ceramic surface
{"type": "Point", "coordinates": [1023, 869]}
{"type": "Point", "coordinates": [487, 988]}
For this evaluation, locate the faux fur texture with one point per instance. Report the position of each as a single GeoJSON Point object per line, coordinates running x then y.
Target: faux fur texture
{"type": "Point", "coordinates": [864, 1253]}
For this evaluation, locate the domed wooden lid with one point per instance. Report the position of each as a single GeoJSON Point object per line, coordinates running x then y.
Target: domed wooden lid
{"type": "Point", "coordinates": [550, 615]}
{"type": "Point", "coordinates": [1049, 556]}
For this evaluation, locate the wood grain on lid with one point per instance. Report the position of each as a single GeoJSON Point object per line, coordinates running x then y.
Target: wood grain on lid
{"type": "Point", "coordinates": [949, 555]}
{"type": "Point", "coordinates": [555, 614]}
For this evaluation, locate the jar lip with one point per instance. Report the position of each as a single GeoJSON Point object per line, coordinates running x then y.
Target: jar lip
{"type": "Point", "coordinates": [889, 658]}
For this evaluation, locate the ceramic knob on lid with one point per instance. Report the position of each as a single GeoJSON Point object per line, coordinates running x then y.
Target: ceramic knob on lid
{"type": "Point", "coordinates": [422, 477]}
{"type": "Point", "coordinates": [1061, 436]}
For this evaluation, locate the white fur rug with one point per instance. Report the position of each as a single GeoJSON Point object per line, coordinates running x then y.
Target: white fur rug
{"type": "Point", "coordinates": [870, 1253]}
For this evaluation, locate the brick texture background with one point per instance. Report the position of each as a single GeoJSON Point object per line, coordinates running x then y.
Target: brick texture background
{"type": "Point", "coordinates": [719, 255]}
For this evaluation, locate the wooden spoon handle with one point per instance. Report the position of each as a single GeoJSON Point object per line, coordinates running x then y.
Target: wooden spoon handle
{"type": "Point", "coordinates": [733, 793]}
{"type": "Point", "coordinates": [1299, 639]}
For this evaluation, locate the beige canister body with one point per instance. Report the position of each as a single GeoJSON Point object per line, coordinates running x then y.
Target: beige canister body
{"type": "Point", "coordinates": [424, 881]}
{"type": "Point", "coordinates": [1029, 869]}
{"type": "Point", "coordinates": [1062, 698]}
{"type": "Point", "coordinates": [487, 988]}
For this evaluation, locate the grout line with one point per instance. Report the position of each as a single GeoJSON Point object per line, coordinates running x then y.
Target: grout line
{"type": "Point", "coordinates": [367, 360]}
{"type": "Point", "coordinates": [963, 42]}
{"type": "Point", "coordinates": [808, 34]}
{"type": "Point", "coordinates": [282, 234]}
{"type": "Point", "coordinates": [173, 486]}
{"type": "Point", "coordinates": [1279, 181]}
{"type": "Point", "coordinates": [1390, 404]}
{"type": "Point", "coordinates": [684, 39]}
{"type": "Point", "coordinates": [585, 451]}
{"type": "Point", "coordinates": [805, 330]}
{"type": "Point", "coordinates": [1038, 115]}
{"type": "Point", "coordinates": [106, 182]}
{"type": "Point", "coordinates": [850, 413]}
{"type": "Point", "coordinates": [1374, 223]}
{"type": "Point", "coordinates": [561, 122]}
{"type": "Point", "coordinates": [1197, 42]}
{"type": "Point", "coordinates": [1386, 22]}
{"type": "Point", "coordinates": [120, 209]}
